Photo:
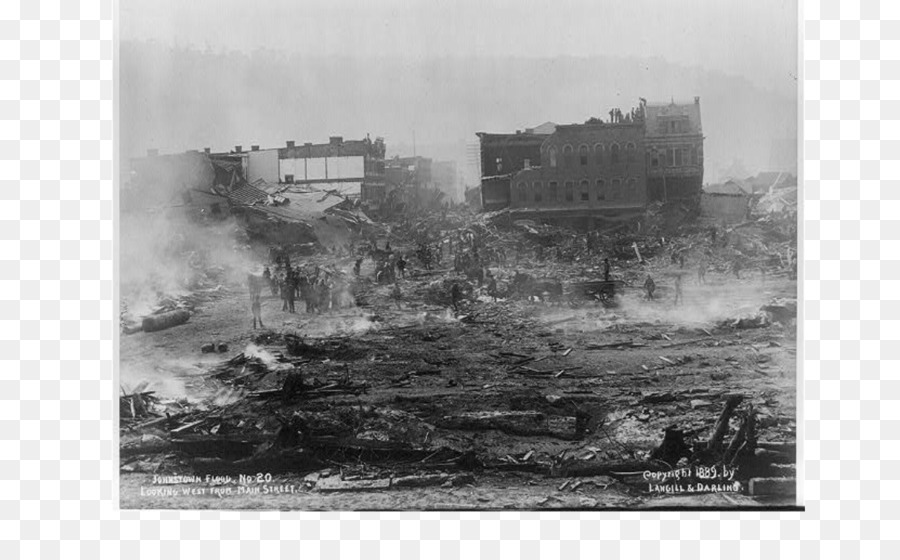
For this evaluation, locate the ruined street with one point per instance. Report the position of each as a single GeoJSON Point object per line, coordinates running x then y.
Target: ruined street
{"type": "Point", "coordinates": [529, 392]}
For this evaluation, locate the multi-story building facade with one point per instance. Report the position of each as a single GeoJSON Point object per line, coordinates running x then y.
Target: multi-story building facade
{"type": "Point", "coordinates": [597, 171]}
{"type": "Point", "coordinates": [674, 139]}
{"type": "Point", "coordinates": [587, 172]}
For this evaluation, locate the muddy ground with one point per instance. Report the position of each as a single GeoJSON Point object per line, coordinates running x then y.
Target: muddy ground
{"type": "Point", "coordinates": [475, 410]}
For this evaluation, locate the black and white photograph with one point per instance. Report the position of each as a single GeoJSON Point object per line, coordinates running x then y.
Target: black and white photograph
{"type": "Point", "coordinates": [458, 256]}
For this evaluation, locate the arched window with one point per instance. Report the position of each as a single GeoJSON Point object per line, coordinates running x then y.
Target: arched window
{"type": "Point", "coordinates": [551, 195]}
{"type": "Point", "coordinates": [601, 189]}
{"type": "Point", "coordinates": [615, 192]}
{"type": "Point", "coordinates": [585, 191]}
{"type": "Point", "coordinates": [570, 191]}
{"type": "Point", "coordinates": [614, 154]}
{"type": "Point", "coordinates": [654, 157]}
{"type": "Point", "coordinates": [598, 153]}
{"type": "Point", "coordinates": [552, 153]}
{"type": "Point", "coordinates": [538, 195]}
{"type": "Point", "coordinates": [583, 154]}
{"type": "Point", "coordinates": [569, 155]}
{"type": "Point", "coordinates": [630, 152]}
{"type": "Point", "coordinates": [523, 192]}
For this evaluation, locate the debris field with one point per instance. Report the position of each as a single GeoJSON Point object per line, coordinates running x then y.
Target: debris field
{"type": "Point", "coordinates": [501, 370]}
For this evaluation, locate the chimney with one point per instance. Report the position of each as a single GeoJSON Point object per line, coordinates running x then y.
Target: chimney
{"type": "Point", "coordinates": [205, 150]}
{"type": "Point", "coordinates": [335, 140]}
{"type": "Point", "coordinates": [696, 100]}
{"type": "Point", "coordinates": [254, 148]}
{"type": "Point", "coordinates": [152, 152]}
{"type": "Point", "coordinates": [290, 143]}
{"type": "Point", "coordinates": [518, 132]}
{"type": "Point", "coordinates": [527, 164]}
{"type": "Point", "coordinates": [238, 148]}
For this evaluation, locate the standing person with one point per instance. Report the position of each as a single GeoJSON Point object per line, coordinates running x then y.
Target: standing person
{"type": "Point", "coordinates": [284, 287]}
{"type": "Point", "coordinates": [357, 266]}
{"type": "Point", "coordinates": [273, 282]}
{"type": "Point", "coordinates": [492, 286]}
{"type": "Point", "coordinates": [267, 276]}
{"type": "Point", "coordinates": [254, 283]}
{"type": "Point", "coordinates": [606, 270]}
{"type": "Point", "coordinates": [736, 267]}
{"type": "Point", "coordinates": [323, 296]}
{"type": "Point", "coordinates": [455, 296]}
{"type": "Point", "coordinates": [679, 296]}
{"type": "Point", "coordinates": [292, 286]}
{"type": "Point", "coordinates": [401, 266]}
{"type": "Point", "coordinates": [255, 308]}
{"type": "Point", "coordinates": [303, 289]}
{"type": "Point", "coordinates": [650, 286]}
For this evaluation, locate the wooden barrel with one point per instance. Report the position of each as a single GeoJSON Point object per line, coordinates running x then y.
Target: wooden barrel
{"type": "Point", "coordinates": [165, 320]}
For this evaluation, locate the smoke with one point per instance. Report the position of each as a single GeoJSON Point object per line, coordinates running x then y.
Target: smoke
{"type": "Point", "coordinates": [703, 305]}
{"type": "Point", "coordinates": [168, 255]}
{"type": "Point", "coordinates": [266, 357]}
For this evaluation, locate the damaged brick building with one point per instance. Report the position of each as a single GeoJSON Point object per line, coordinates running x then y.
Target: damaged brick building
{"type": "Point", "coordinates": [599, 171]}
{"type": "Point", "coordinates": [503, 155]}
{"type": "Point", "coordinates": [355, 168]}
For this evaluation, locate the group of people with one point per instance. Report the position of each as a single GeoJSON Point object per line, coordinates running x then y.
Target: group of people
{"type": "Point", "coordinates": [319, 291]}
{"type": "Point", "coordinates": [389, 265]}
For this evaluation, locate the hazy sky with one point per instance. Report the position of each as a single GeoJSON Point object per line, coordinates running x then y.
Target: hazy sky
{"type": "Point", "coordinates": [755, 39]}
{"type": "Point", "coordinates": [443, 70]}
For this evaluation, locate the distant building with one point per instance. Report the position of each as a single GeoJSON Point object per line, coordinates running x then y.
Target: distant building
{"type": "Point", "coordinates": [446, 179]}
{"type": "Point", "coordinates": [414, 171]}
{"type": "Point", "coordinates": [729, 202]}
{"type": "Point", "coordinates": [674, 140]}
{"type": "Point", "coordinates": [501, 156]}
{"type": "Point", "coordinates": [355, 168]}
{"type": "Point", "coordinates": [586, 173]}
{"type": "Point", "coordinates": [599, 170]}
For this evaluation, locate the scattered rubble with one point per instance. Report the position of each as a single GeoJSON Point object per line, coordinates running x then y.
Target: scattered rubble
{"type": "Point", "coordinates": [551, 371]}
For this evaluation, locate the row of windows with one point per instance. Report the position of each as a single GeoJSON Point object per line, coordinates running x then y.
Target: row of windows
{"type": "Point", "coordinates": [674, 125]}
{"type": "Point", "coordinates": [599, 154]}
{"type": "Point", "coordinates": [602, 190]}
{"type": "Point", "coordinates": [676, 156]}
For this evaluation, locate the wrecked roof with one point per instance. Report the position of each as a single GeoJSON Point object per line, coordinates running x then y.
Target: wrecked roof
{"type": "Point", "coordinates": [772, 179]}
{"type": "Point", "coordinates": [248, 195]}
{"type": "Point", "coordinates": [732, 187]}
